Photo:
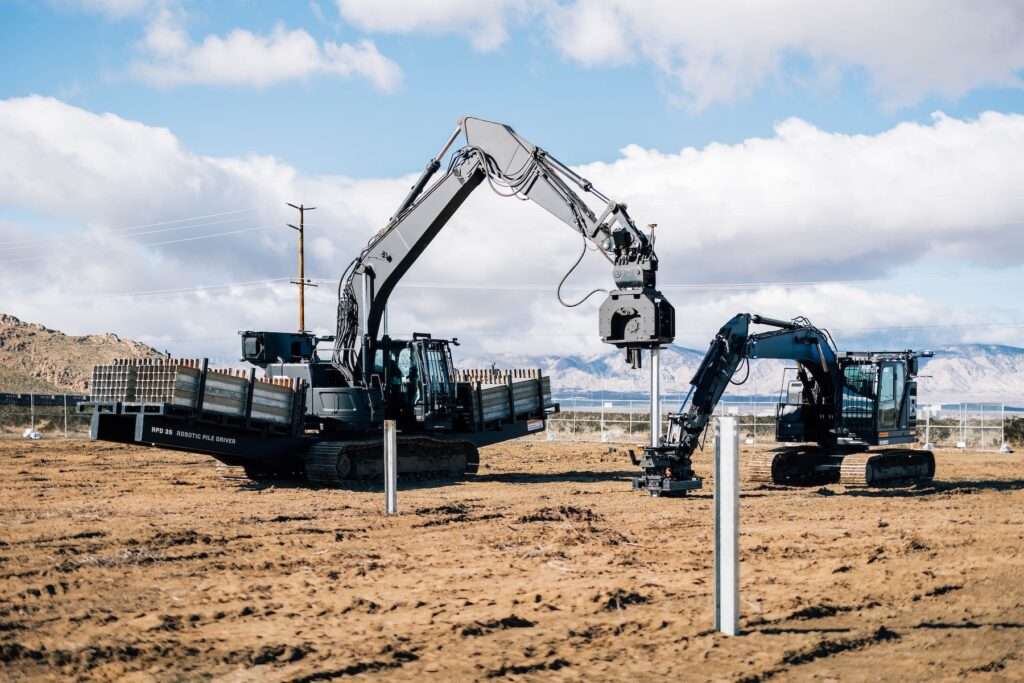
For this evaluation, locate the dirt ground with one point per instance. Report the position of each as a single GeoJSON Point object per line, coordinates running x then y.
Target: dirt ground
{"type": "Point", "coordinates": [139, 564]}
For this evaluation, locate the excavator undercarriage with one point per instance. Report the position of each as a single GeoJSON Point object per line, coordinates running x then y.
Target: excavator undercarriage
{"type": "Point", "coordinates": [810, 466]}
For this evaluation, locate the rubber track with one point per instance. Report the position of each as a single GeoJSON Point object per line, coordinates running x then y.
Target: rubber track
{"type": "Point", "coordinates": [333, 463]}
{"type": "Point", "coordinates": [758, 466]}
{"type": "Point", "coordinates": [868, 469]}
{"type": "Point", "coordinates": [789, 467]}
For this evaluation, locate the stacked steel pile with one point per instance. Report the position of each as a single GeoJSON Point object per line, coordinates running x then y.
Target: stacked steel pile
{"type": "Point", "coordinates": [114, 382]}
{"type": "Point", "coordinates": [176, 382]}
{"type": "Point", "coordinates": [495, 375]}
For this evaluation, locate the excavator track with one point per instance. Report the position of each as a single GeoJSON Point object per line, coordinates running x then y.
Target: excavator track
{"type": "Point", "coordinates": [339, 463]}
{"type": "Point", "coordinates": [892, 467]}
{"type": "Point", "coordinates": [789, 467]}
{"type": "Point", "coordinates": [758, 466]}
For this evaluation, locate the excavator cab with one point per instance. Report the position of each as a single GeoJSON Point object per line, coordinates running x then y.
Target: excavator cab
{"type": "Point", "coordinates": [878, 401]}
{"type": "Point", "coordinates": [417, 378]}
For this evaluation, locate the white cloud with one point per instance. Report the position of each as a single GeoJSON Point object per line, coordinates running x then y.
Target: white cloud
{"type": "Point", "coordinates": [803, 205]}
{"type": "Point", "coordinates": [484, 23]}
{"type": "Point", "coordinates": [716, 51]}
{"type": "Point", "coordinates": [243, 58]}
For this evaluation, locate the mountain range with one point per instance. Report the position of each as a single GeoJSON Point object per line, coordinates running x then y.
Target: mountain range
{"type": "Point", "coordinates": [40, 359]}
{"type": "Point", "coordinates": [957, 373]}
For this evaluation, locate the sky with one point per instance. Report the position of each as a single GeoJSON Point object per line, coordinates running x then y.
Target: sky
{"type": "Point", "coordinates": [856, 163]}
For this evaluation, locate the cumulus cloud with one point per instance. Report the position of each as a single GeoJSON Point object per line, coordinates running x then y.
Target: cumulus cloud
{"type": "Point", "coordinates": [243, 58]}
{"type": "Point", "coordinates": [802, 205]}
{"type": "Point", "coordinates": [719, 50]}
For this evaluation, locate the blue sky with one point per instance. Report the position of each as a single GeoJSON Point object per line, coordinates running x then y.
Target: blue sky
{"type": "Point", "coordinates": [321, 124]}
{"type": "Point", "coordinates": [583, 79]}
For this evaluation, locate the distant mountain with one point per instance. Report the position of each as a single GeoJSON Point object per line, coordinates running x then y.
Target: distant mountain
{"type": "Point", "coordinates": [37, 359]}
{"type": "Point", "coordinates": [963, 372]}
{"type": "Point", "coordinates": [974, 372]}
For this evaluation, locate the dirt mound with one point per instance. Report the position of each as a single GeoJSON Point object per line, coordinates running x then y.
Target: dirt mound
{"type": "Point", "coordinates": [34, 358]}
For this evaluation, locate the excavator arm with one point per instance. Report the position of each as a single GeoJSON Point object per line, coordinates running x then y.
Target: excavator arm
{"type": "Point", "coordinates": [635, 315]}
{"type": "Point", "coordinates": [667, 467]}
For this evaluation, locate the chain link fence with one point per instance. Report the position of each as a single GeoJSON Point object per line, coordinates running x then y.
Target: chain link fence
{"type": "Point", "coordinates": [44, 416]}
{"type": "Point", "coordinates": [977, 426]}
{"type": "Point", "coordinates": [589, 416]}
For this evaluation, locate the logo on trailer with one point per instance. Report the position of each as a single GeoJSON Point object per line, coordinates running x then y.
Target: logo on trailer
{"type": "Point", "coordinates": [534, 425]}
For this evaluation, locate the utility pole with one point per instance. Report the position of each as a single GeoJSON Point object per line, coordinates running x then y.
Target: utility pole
{"type": "Point", "coordinates": [302, 282]}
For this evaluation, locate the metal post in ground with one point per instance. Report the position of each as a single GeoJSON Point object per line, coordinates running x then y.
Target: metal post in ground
{"type": "Point", "coordinates": [928, 445]}
{"type": "Point", "coordinates": [982, 442]}
{"type": "Point", "coordinates": [655, 397]}
{"type": "Point", "coordinates": [727, 526]}
{"type": "Point", "coordinates": [629, 419]}
{"type": "Point", "coordinates": [1004, 447]}
{"type": "Point", "coordinates": [962, 443]}
{"type": "Point", "coordinates": [391, 466]}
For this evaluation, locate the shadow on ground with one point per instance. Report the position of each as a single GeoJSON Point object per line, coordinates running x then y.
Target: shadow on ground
{"type": "Point", "coordinates": [572, 476]}
{"type": "Point", "coordinates": [937, 487]}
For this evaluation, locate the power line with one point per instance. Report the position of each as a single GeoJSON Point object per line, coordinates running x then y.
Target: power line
{"type": "Point", "coordinates": [189, 290]}
{"type": "Point", "coordinates": [155, 244]}
{"type": "Point", "coordinates": [169, 222]}
{"type": "Point", "coordinates": [590, 335]}
{"type": "Point", "coordinates": [514, 288]}
{"type": "Point", "coordinates": [64, 240]}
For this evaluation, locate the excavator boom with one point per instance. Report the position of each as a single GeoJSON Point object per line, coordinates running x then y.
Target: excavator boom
{"type": "Point", "coordinates": [512, 166]}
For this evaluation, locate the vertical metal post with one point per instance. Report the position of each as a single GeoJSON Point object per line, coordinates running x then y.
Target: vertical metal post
{"type": "Point", "coordinates": [655, 397]}
{"type": "Point", "coordinates": [391, 466]}
{"type": "Point", "coordinates": [981, 430]}
{"type": "Point", "coordinates": [1003, 446]}
{"type": "Point", "coordinates": [727, 526]}
{"type": "Point", "coordinates": [301, 282]}
{"type": "Point", "coordinates": [575, 409]}
{"type": "Point", "coordinates": [65, 416]}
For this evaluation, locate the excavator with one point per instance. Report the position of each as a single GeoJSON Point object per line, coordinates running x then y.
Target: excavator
{"type": "Point", "coordinates": [327, 426]}
{"type": "Point", "coordinates": [834, 407]}
{"type": "Point", "coordinates": [634, 316]}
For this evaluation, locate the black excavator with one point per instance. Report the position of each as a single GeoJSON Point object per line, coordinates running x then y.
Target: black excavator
{"type": "Point", "coordinates": [329, 429]}
{"type": "Point", "coordinates": [835, 406]}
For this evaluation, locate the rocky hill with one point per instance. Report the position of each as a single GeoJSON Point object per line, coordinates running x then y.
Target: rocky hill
{"type": "Point", "coordinates": [36, 358]}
